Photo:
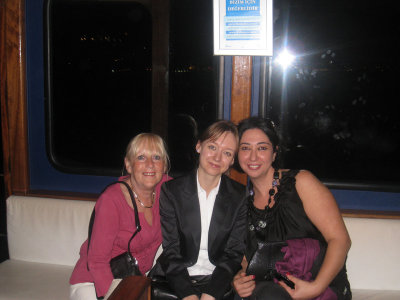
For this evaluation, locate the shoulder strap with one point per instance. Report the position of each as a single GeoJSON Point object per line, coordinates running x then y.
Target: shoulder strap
{"type": "Point", "coordinates": [137, 221]}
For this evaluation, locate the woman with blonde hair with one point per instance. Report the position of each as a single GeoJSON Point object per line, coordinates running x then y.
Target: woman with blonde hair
{"type": "Point", "coordinates": [147, 163]}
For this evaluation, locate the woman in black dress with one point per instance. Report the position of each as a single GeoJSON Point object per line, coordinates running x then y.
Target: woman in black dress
{"type": "Point", "coordinates": [294, 207]}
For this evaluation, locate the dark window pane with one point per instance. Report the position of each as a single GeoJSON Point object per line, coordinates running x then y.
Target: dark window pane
{"type": "Point", "coordinates": [100, 81]}
{"type": "Point", "coordinates": [193, 69]}
{"type": "Point", "coordinates": [337, 104]}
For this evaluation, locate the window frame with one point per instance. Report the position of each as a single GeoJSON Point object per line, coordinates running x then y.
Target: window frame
{"type": "Point", "coordinates": [14, 111]}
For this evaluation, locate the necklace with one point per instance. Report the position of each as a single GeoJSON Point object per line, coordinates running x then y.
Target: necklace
{"type": "Point", "coordinates": [271, 191]}
{"type": "Point", "coordinates": [258, 219]}
{"type": "Point", "coordinates": [153, 195]}
{"type": "Point", "coordinates": [141, 203]}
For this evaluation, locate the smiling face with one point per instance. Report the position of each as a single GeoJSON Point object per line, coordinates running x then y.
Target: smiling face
{"type": "Point", "coordinates": [256, 153]}
{"type": "Point", "coordinates": [216, 156]}
{"type": "Point", "coordinates": [146, 167]}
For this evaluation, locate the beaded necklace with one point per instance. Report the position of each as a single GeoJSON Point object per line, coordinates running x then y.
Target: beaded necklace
{"type": "Point", "coordinates": [258, 220]}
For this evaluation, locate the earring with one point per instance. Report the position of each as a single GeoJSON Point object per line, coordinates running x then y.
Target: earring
{"type": "Point", "coordinates": [123, 170]}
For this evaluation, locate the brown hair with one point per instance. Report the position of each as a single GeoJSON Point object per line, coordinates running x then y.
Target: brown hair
{"type": "Point", "coordinates": [215, 130]}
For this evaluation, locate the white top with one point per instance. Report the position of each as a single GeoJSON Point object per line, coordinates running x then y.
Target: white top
{"type": "Point", "coordinates": [203, 265]}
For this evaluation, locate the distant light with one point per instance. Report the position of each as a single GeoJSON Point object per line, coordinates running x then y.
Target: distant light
{"type": "Point", "coordinates": [285, 58]}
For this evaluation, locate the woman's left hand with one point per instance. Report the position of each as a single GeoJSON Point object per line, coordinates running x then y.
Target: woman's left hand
{"type": "Point", "coordinates": [303, 290]}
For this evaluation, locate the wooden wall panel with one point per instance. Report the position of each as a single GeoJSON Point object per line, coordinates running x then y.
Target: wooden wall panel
{"type": "Point", "coordinates": [241, 97]}
{"type": "Point", "coordinates": [13, 98]}
{"type": "Point", "coordinates": [3, 116]}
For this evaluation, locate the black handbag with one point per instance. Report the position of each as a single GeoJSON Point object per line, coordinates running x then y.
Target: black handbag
{"type": "Point", "coordinates": [262, 264]}
{"type": "Point", "coordinates": [125, 264]}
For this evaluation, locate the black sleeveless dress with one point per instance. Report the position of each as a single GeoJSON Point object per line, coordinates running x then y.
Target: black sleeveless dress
{"type": "Point", "coordinates": [287, 220]}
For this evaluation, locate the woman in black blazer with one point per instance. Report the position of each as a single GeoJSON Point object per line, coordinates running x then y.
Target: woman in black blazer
{"type": "Point", "coordinates": [203, 221]}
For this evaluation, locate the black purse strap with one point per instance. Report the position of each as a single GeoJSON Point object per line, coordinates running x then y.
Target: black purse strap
{"type": "Point", "coordinates": [137, 221]}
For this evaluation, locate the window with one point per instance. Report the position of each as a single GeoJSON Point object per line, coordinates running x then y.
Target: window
{"type": "Point", "coordinates": [101, 88]}
{"type": "Point", "coordinates": [193, 101]}
{"type": "Point", "coordinates": [99, 80]}
{"type": "Point", "coordinates": [336, 104]}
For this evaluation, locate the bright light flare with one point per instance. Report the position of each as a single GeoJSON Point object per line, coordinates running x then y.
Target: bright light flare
{"type": "Point", "coordinates": [285, 59]}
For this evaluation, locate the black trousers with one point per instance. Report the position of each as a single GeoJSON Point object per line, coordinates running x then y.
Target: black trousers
{"type": "Point", "coordinates": [160, 289]}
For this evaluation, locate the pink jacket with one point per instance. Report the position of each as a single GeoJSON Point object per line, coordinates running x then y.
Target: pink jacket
{"type": "Point", "coordinates": [114, 225]}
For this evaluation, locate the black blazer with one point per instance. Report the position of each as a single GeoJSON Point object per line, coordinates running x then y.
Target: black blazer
{"type": "Point", "coordinates": [181, 230]}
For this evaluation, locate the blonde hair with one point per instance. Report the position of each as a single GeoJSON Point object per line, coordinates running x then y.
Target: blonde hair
{"type": "Point", "coordinates": [148, 142]}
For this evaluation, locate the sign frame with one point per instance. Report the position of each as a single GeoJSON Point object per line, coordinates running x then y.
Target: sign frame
{"type": "Point", "coordinates": [243, 27]}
